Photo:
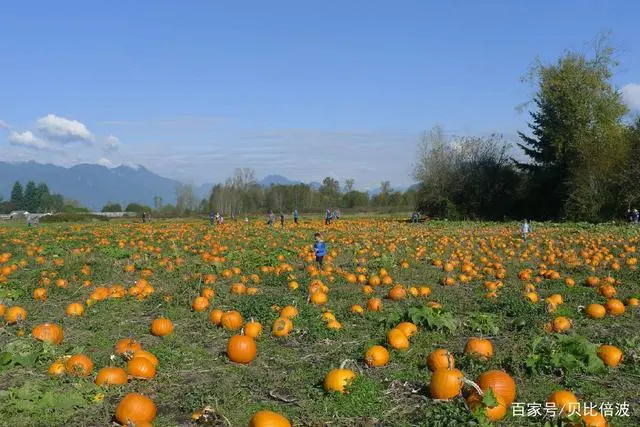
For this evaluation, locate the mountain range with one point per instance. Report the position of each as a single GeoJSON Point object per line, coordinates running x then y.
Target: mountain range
{"type": "Point", "coordinates": [95, 185]}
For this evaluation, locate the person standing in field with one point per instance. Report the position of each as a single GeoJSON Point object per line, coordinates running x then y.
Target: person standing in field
{"type": "Point", "coordinates": [526, 229]}
{"type": "Point", "coordinates": [295, 217]}
{"type": "Point", "coordinates": [282, 219]}
{"type": "Point", "coordinates": [327, 219]}
{"type": "Point", "coordinates": [320, 248]}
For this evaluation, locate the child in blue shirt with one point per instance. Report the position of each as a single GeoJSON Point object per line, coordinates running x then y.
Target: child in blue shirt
{"type": "Point", "coordinates": [320, 248]}
{"type": "Point", "coordinates": [526, 229]}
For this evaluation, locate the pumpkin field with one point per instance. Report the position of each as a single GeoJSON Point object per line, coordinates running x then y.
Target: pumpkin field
{"type": "Point", "coordinates": [179, 323]}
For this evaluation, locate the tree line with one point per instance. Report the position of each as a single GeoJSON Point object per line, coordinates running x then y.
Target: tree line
{"type": "Point", "coordinates": [582, 153]}
{"type": "Point", "coordinates": [32, 198]}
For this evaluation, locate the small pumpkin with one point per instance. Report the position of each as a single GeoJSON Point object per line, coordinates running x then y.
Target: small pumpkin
{"type": "Point", "coordinates": [610, 355]}
{"type": "Point", "coordinates": [337, 380]}
{"type": "Point", "coordinates": [614, 306]}
{"type": "Point", "coordinates": [376, 356]}
{"type": "Point", "coordinates": [79, 365]}
{"type": "Point", "coordinates": [408, 328]}
{"type": "Point", "coordinates": [282, 326]}
{"type": "Point", "coordinates": [479, 347]}
{"type": "Point", "coordinates": [75, 309]}
{"type": "Point", "coordinates": [561, 324]}
{"type": "Point", "coordinates": [57, 369]}
{"type": "Point", "coordinates": [397, 339]}
{"type": "Point", "coordinates": [15, 314]}
{"type": "Point", "coordinates": [161, 327]}
{"type": "Point", "coordinates": [318, 298]}
{"type": "Point", "coordinates": [149, 356]}
{"type": "Point", "coordinates": [127, 346]}
{"type": "Point", "coordinates": [595, 311]}
{"type": "Point", "coordinates": [241, 349]}
{"type": "Point", "coordinates": [289, 312]}
{"type": "Point", "coordinates": [200, 304]}
{"type": "Point", "coordinates": [374, 304]}
{"type": "Point", "coordinates": [440, 359]}
{"type": "Point", "coordinates": [48, 332]}
{"type": "Point", "coordinates": [253, 329]}
{"type": "Point", "coordinates": [232, 320]}
{"type": "Point", "coordinates": [268, 419]}
{"type": "Point", "coordinates": [111, 375]}
{"type": "Point", "coordinates": [397, 293]}
{"type": "Point", "coordinates": [216, 316]}
{"type": "Point", "coordinates": [135, 408]}
{"type": "Point", "coordinates": [564, 401]}
{"type": "Point", "coordinates": [141, 368]}
{"type": "Point", "coordinates": [446, 383]}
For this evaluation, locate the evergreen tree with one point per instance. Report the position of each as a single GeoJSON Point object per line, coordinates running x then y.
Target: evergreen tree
{"type": "Point", "coordinates": [44, 197]}
{"type": "Point", "coordinates": [31, 197]}
{"type": "Point", "coordinates": [17, 196]}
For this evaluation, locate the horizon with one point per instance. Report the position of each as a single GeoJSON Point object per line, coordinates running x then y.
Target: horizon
{"type": "Point", "coordinates": [300, 91]}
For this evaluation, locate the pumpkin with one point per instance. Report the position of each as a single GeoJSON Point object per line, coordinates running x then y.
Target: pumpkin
{"type": "Point", "coordinates": [561, 324]}
{"type": "Point", "coordinates": [397, 293]}
{"type": "Point", "coordinates": [610, 355]}
{"type": "Point", "coordinates": [57, 369]}
{"type": "Point", "coordinates": [232, 320]}
{"type": "Point", "coordinates": [208, 293]}
{"type": "Point", "coordinates": [479, 347]}
{"type": "Point", "coordinates": [127, 346]}
{"type": "Point", "coordinates": [500, 382]}
{"type": "Point", "coordinates": [75, 309]}
{"type": "Point", "coordinates": [357, 309]}
{"type": "Point", "coordinates": [40, 294]}
{"type": "Point", "coordinates": [494, 413]}
{"type": "Point", "coordinates": [595, 311]}
{"type": "Point", "coordinates": [15, 314]}
{"type": "Point", "coordinates": [135, 408]}
{"type": "Point", "coordinates": [318, 298]}
{"type": "Point", "coordinates": [446, 383]}
{"type": "Point", "coordinates": [289, 311]}
{"type": "Point", "coordinates": [376, 356]}
{"type": "Point", "coordinates": [79, 365]}
{"type": "Point", "coordinates": [631, 302]}
{"type": "Point", "coordinates": [141, 368]}
{"type": "Point", "coordinates": [161, 327]}
{"type": "Point", "coordinates": [253, 329]}
{"type": "Point", "coordinates": [111, 375]}
{"type": "Point", "coordinates": [281, 327]}
{"type": "Point", "coordinates": [615, 307]}
{"type": "Point", "coordinates": [397, 339]}
{"type": "Point", "coordinates": [328, 316]}
{"type": "Point", "coordinates": [268, 419]}
{"type": "Point", "coordinates": [241, 349]}
{"type": "Point", "coordinates": [408, 328]}
{"type": "Point", "coordinates": [564, 401]}
{"type": "Point", "coordinates": [593, 418]}
{"type": "Point", "coordinates": [334, 324]}
{"type": "Point", "coordinates": [374, 304]}
{"type": "Point", "coordinates": [555, 299]}
{"type": "Point", "coordinates": [149, 356]}
{"type": "Point", "coordinates": [48, 332]}
{"type": "Point", "coordinates": [439, 359]}
{"type": "Point", "coordinates": [216, 316]}
{"type": "Point", "coordinates": [200, 304]}
{"type": "Point", "coordinates": [337, 380]}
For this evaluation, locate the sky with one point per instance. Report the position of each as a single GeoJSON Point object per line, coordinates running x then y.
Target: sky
{"type": "Point", "coordinates": [305, 89]}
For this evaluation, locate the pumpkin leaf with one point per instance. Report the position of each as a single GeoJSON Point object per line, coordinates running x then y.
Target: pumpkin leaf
{"type": "Point", "coordinates": [489, 399]}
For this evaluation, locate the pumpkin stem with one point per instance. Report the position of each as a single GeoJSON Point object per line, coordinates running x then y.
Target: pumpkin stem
{"type": "Point", "coordinates": [468, 382]}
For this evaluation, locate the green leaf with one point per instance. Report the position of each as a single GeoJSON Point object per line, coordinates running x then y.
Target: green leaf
{"type": "Point", "coordinates": [489, 399]}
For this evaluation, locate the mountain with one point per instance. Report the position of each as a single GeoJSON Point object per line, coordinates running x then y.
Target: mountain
{"type": "Point", "coordinates": [276, 180]}
{"type": "Point", "coordinates": [92, 185]}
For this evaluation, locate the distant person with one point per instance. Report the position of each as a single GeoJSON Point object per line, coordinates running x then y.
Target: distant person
{"type": "Point", "coordinates": [271, 219]}
{"type": "Point", "coordinates": [336, 214]}
{"type": "Point", "coordinates": [414, 217]}
{"type": "Point", "coordinates": [526, 229]}
{"type": "Point", "coordinates": [327, 218]}
{"type": "Point", "coordinates": [636, 215]}
{"type": "Point", "coordinates": [211, 217]}
{"type": "Point", "coordinates": [281, 219]}
{"type": "Point", "coordinates": [246, 220]}
{"type": "Point", "coordinates": [295, 217]}
{"type": "Point", "coordinates": [320, 248]}
{"type": "Point", "coordinates": [144, 217]}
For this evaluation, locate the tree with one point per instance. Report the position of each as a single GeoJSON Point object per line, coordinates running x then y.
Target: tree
{"type": "Point", "coordinates": [186, 200]}
{"type": "Point", "coordinates": [137, 208]}
{"type": "Point", "coordinates": [330, 190]}
{"type": "Point", "coordinates": [157, 202]}
{"type": "Point", "coordinates": [17, 196]}
{"type": "Point", "coordinates": [577, 140]}
{"type": "Point", "coordinates": [31, 199]}
{"type": "Point", "coordinates": [348, 185]}
{"type": "Point", "coordinates": [44, 197]}
{"type": "Point", "coordinates": [113, 207]}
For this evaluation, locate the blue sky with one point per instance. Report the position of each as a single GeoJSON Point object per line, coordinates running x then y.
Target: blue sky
{"type": "Point", "coordinates": [193, 89]}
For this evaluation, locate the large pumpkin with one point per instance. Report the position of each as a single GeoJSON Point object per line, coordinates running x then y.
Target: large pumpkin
{"type": "Point", "coordinates": [48, 332]}
{"type": "Point", "coordinates": [241, 349]}
{"type": "Point", "coordinates": [564, 401]}
{"type": "Point", "coordinates": [446, 383]}
{"type": "Point", "coordinates": [281, 327]}
{"type": "Point", "coordinates": [408, 328]}
{"type": "Point", "coordinates": [79, 365]}
{"type": "Point", "coordinates": [479, 347]}
{"type": "Point", "coordinates": [135, 408]}
{"type": "Point", "coordinates": [161, 327]}
{"type": "Point", "coordinates": [337, 380]}
{"type": "Point", "coordinates": [500, 382]}
{"type": "Point", "coordinates": [397, 339]}
{"type": "Point", "coordinates": [111, 375]}
{"type": "Point", "coordinates": [610, 355]}
{"type": "Point", "coordinates": [141, 368]}
{"type": "Point", "coordinates": [376, 356]}
{"type": "Point", "coordinates": [268, 419]}
{"type": "Point", "coordinates": [232, 320]}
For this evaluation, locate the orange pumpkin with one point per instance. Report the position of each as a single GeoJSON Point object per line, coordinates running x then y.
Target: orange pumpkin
{"type": "Point", "coordinates": [446, 383]}
{"type": "Point", "coordinates": [479, 347]}
{"type": "Point", "coordinates": [268, 419]}
{"type": "Point", "coordinates": [281, 327]}
{"type": "Point", "coordinates": [216, 316]}
{"type": "Point", "coordinates": [376, 356]}
{"type": "Point", "coordinates": [615, 307]}
{"type": "Point", "coordinates": [564, 401]}
{"type": "Point", "coordinates": [127, 346]}
{"type": "Point", "coordinates": [135, 409]}
{"type": "Point", "coordinates": [48, 332]}
{"type": "Point", "coordinates": [75, 309]}
{"type": "Point", "coordinates": [337, 380]}
{"type": "Point", "coordinates": [253, 329]}
{"type": "Point", "coordinates": [500, 382]}
{"type": "Point", "coordinates": [141, 368]}
{"type": "Point", "coordinates": [610, 355]}
{"type": "Point", "coordinates": [111, 375]}
{"type": "Point", "coordinates": [200, 304]}
{"type": "Point", "coordinates": [241, 349]}
{"type": "Point", "coordinates": [161, 327]}
{"type": "Point", "coordinates": [440, 359]}
{"type": "Point", "coordinates": [408, 328]}
{"type": "Point", "coordinates": [79, 365]}
{"type": "Point", "coordinates": [397, 339]}
{"type": "Point", "coordinates": [232, 320]}
{"type": "Point", "coordinates": [595, 311]}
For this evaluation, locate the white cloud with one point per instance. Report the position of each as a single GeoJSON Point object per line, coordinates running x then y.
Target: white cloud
{"type": "Point", "coordinates": [631, 95]}
{"type": "Point", "coordinates": [112, 143]}
{"type": "Point", "coordinates": [63, 130]}
{"type": "Point", "coordinates": [4, 125]}
{"type": "Point", "coordinates": [105, 162]}
{"type": "Point", "coordinates": [27, 139]}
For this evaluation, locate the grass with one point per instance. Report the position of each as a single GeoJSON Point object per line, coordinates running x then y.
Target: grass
{"type": "Point", "coordinates": [287, 374]}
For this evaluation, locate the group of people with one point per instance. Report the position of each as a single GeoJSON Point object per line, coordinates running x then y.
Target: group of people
{"type": "Point", "coordinates": [633, 215]}
{"type": "Point", "coordinates": [331, 215]}
{"type": "Point", "coordinates": [271, 218]}
{"type": "Point", "coordinates": [215, 219]}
